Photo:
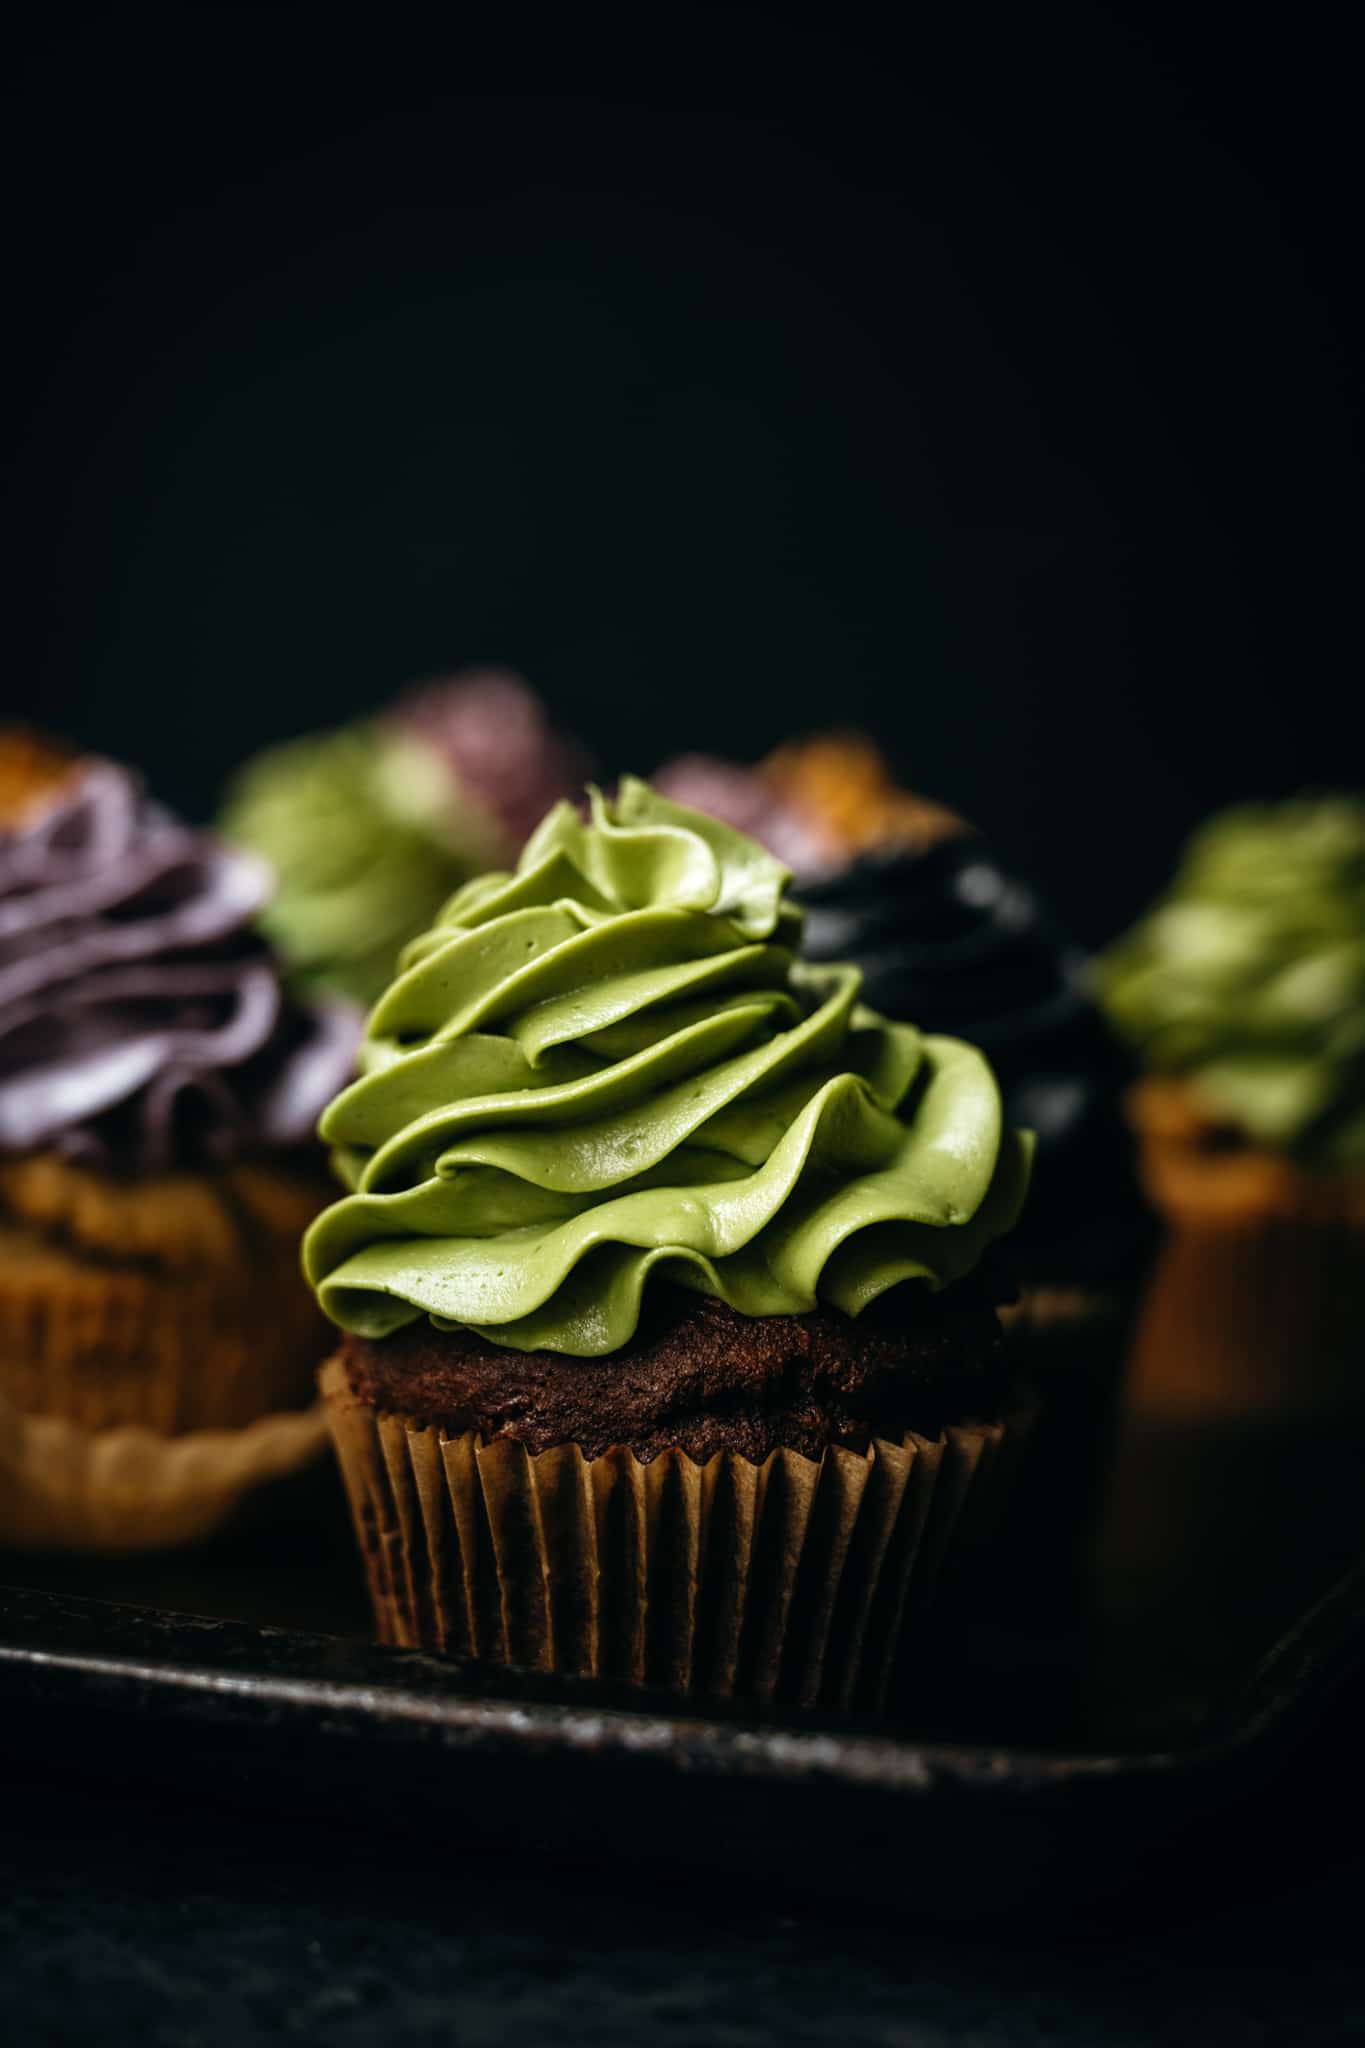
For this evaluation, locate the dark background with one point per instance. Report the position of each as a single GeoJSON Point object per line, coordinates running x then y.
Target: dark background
{"type": "Point", "coordinates": [730, 371]}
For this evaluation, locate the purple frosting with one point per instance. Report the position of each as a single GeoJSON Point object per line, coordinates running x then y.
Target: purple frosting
{"type": "Point", "coordinates": [494, 733]}
{"type": "Point", "coordinates": [142, 1020]}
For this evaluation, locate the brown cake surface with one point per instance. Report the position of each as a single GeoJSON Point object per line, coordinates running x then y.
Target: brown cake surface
{"type": "Point", "coordinates": [702, 1379]}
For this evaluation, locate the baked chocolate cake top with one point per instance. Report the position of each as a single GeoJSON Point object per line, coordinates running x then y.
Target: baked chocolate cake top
{"type": "Point", "coordinates": [701, 1378]}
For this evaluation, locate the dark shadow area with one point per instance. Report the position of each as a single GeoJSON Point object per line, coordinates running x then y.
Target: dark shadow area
{"type": "Point", "coordinates": [727, 374]}
{"type": "Point", "coordinates": [989, 378]}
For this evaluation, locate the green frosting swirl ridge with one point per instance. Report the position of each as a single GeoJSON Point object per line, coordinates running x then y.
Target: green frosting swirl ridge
{"type": "Point", "coordinates": [1249, 975]}
{"type": "Point", "coordinates": [610, 1064]}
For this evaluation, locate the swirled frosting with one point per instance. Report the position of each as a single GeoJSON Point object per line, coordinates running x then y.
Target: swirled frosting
{"type": "Point", "coordinates": [142, 1022]}
{"type": "Point", "coordinates": [607, 1066]}
{"type": "Point", "coordinates": [371, 827]}
{"type": "Point", "coordinates": [1248, 977]}
{"type": "Point", "coordinates": [946, 935]}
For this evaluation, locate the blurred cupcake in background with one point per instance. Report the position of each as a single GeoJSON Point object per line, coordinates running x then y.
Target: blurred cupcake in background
{"type": "Point", "coordinates": [158, 1093]}
{"type": "Point", "coordinates": [1239, 1489]}
{"type": "Point", "coordinates": [370, 827]}
{"type": "Point", "coordinates": [1242, 993]}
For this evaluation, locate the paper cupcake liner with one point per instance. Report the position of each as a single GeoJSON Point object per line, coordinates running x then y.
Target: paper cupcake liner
{"type": "Point", "coordinates": [63, 1488]}
{"type": "Point", "coordinates": [797, 1579]}
{"type": "Point", "coordinates": [1257, 1302]}
{"type": "Point", "coordinates": [197, 1318]}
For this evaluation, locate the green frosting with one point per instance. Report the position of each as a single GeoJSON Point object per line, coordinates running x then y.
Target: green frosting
{"type": "Point", "coordinates": [609, 1064]}
{"type": "Point", "coordinates": [360, 828]}
{"type": "Point", "coordinates": [1249, 976]}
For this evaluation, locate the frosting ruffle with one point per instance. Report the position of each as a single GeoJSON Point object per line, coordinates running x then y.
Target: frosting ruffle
{"type": "Point", "coordinates": [608, 1066]}
{"type": "Point", "coordinates": [141, 1020]}
{"type": "Point", "coordinates": [946, 935]}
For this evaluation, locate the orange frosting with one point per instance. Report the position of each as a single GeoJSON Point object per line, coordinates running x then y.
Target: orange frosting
{"type": "Point", "coordinates": [32, 768]}
{"type": "Point", "coordinates": [841, 782]}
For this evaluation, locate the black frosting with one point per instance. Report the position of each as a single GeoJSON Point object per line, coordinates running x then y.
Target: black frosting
{"type": "Point", "coordinates": [948, 940]}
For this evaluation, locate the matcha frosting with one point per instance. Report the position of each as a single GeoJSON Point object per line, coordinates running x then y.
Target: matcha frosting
{"type": "Point", "coordinates": [365, 844]}
{"type": "Point", "coordinates": [1248, 977]}
{"type": "Point", "coordinates": [370, 827]}
{"type": "Point", "coordinates": [610, 1065]}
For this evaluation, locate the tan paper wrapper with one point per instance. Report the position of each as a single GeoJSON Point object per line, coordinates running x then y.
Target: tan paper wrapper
{"type": "Point", "coordinates": [1257, 1302]}
{"type": "Point", "coordinates": [792, 1580]}
{"type": "Point", "coordinates": [172, 1302]}
{"type": "Point", "coordinates": [63, 1488]}
{"type": "Point", "coordinates": [1239, 1485]}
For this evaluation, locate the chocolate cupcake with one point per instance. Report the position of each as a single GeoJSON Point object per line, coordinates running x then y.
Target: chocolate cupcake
{"type": "Point", "coordinates": [371, 827]}
{"type": "Point", "coordinates": [671, 1342]}
{"type": "Point", "coordinates": [158, 1092]}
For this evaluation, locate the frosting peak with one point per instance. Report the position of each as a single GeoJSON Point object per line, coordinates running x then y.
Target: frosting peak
{"type": "Point", "coordinates": [609, 1064]}
{"type": "Point", "coordinates": [140, 1019]}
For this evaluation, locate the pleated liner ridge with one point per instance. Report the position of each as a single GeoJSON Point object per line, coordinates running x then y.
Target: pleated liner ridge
{"type": "Point", "coordinates": [793, 1580]}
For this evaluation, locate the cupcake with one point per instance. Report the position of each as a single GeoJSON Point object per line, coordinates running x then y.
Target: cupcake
{"type": "Point", "coordinates": [158, 1092]}
{"type": "Point", "coordinates": [1240, 1487]}
{"type": "Point", "coordinates": [1242, 993]}
{"type": "Point", "coordinates": [671, 1350]}
{"type": "Point", "coordinates": [369, 828]}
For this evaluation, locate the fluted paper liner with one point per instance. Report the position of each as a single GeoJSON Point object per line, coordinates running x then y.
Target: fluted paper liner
{"type": "Point", "coordinates": [796, 1579]}
{"type": "Point", "coordinates": [1257, 1302]}
{"type": "Point", "coordinates": [64, 1488]}
{"type": "Point", "coordinates": [171, 1302]}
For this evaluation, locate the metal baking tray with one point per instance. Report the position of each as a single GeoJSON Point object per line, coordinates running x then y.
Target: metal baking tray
{"type": "Point", "coordinates": [1048, 1755]}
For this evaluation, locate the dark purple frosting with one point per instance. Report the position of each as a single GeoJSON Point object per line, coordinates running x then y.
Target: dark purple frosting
{"type": "Point", "coordinates": [496, 736]}
{"type": "Point", "coordinates": [142, 1019]}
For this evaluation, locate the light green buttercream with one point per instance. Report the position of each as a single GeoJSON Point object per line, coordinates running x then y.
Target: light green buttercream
{"type": "Point", "coordinates": [1249, 975]}
{"type": "Point", "coordinates": [367, 836]}
{"type": "Point", "coordinates": [610, 1064]}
